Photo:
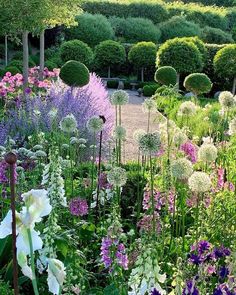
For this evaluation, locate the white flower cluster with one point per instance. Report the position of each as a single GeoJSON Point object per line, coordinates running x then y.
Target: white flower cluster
{"type": "Point", "coordinates": [95, 124]}
{"type": "Point", "coordinates": [232, 127]}
{"type": "Point", "coordinates": [120, 133]}
{"type": "Point", "coordinates": [181, 168]}
{"type": "Point", "coordinates": [199, 182]}
{"type": "Point", "coordinates": [227, 100]}
{"type": "Point", "coordinates": [207, 153]}
{"type": "Point", "coordinates": [119, 97]}
{"type": "Point", "coordinates": [68, 124]}
{"type": "Point", "coordinates": [146, 276]}
{"type": "Point", "coordinates": [117, 176]}
{"type": "Point", "coordinates": [150, 143]}
{"type": "Point", "coordinates": [179, 138]}
{"type": "Point", "coordinates": [149, 106]}
{"type": "Point", "coordinates": [187, 108]}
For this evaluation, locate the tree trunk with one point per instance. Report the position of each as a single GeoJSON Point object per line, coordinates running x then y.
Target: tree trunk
{"type": "Point", "coordinates": [42, 46]}
{"type": "Point", "coordinates": [142, 75]}
{"type": "Point", "coordinates": [234, 86]}
{"type": "Point", "coordinates": [6, 51]}
{"type": "Point", "coordinates": [25, 60]}
{"type": "Point", "coordinates": [109, 72]}
{"type": "Point", "coordinates": [177, 81]}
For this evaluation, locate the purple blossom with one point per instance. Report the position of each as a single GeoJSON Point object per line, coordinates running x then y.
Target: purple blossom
{"type": "Point", "coordinates": [223, 272]}
{"type": "Point", "coordinates": [190, 151]}
{"type": "Point", "coordinates": [78, 207]}
{"type": "Point", "coordinates": [203, 246]}
{"type": "Point", "coordinates": [220, 174]}
{"type": "Point", "coordinates": [155, 292]}
{"type": "Point", "coordinates": [223, 289]}
{"type": "Point", "coordinates": [4, 172]}
{"type": "Point", "coordinates": [190, 288]}
{"type": "Point", "coordinates": [103, 182]}
{"type": "Point", "coordinates": [221, 252]}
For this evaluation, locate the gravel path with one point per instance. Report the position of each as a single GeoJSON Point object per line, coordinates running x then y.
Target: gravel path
{"type": "Point", "coordinates": [134, 118]}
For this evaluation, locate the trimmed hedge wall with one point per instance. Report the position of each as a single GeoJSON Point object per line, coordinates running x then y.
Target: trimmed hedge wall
{"type": "Point", "coordinates": [158, 11]}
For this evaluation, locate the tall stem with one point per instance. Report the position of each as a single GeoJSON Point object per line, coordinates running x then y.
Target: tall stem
{"type": "Point", "coordinates": [34, 280]}
{"type": "Point", "coordinates": [6, 50]}
{"type": "Point", "coordinates": [152, 198]}
{"type": "Point", "coordinates": [42, 46]}
{"type": "Point", "coordinates": [25, 60]}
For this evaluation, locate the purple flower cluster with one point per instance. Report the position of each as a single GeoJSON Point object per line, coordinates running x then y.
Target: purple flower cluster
{"type": "Point", "coordinates": [159, 199]}
{"type": "Point", "coordinates": [4, 172]}
{"type": "Point", "coordinates": [190, 288]}
{"type": "Point", "coordinates": [103, 182]}
{"type": "Point", "coordinates": [113, 252]}
{"type": "Point", "coordinates": [155, 292]}
{"type": "Point", "coordinates": [78, 207]}
{"type": "Point", "coordinates": [190, 151]}
{"type": "Point", "coordinates": [223, 289]}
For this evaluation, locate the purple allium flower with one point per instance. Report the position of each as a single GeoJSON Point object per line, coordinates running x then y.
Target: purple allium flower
{"type": "Point", "coordinates": [155, 292]}
{"type": "Point", "coordinates": [190, 288]}
{"type": "Point", "coordinates": [190, 151]}
{"type": "Point", "coordinates": [78, 207]}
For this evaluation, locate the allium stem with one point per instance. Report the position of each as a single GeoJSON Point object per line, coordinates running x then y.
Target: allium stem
{"type": "Point", "coordinates": [152, 197]}
{"type": "Point", "coordinates": [92, 173]}
{"type": "Point", "coordinates": [34, 280]}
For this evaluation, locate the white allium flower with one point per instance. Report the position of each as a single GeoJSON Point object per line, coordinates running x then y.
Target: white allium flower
{"type": "Point", "coordinates": [120, 133]}
{"type": "Point", "coordinates": [56, 275]}
{"type": "Point", "coordinates": [207, 139]}
{"type": "Point", "coordinates": [65, 146]}
{"type": "Point", "coordinates": [150, 143]}
{"type": "Point", "coordinates": [232, 127]}
{"type": "Point", "coordinates": [207, 152]}
{"type": "Point", "coordinates": [119, 97]}
{"type": "Point", "coordinates": [179, 138]}
{"type": "Point", "coordinates": [227, 100]}
{"type": "Point", "coordinates": [68, 124]}
{"type": "Point", "coordinates": [82, 140]}
{"type": "Point", "coordinates": [37, 147]}
{"type": "Point", "coordinates": [53, 113]}
{"type": "Point", "coordinates": [30, 154]}
{"type": "Point", "coordinates": [181, 168]}
{"type": "Point", "coordinates": [95, 124]}
{"type": "Point", "coordinates": [23, 151]}
{"type": "Point", "coordinates": [74, 141]}
{"type": "Point", "coordinates": [138, 134]}
{"type": "Point", "coordinates": [117, 176]}
{"type": "Point", "coordinates": [149, 105]}
{"type": "Point", "coordinates": [82, 146]}
{"type": "Point", "coordinates": [187, 108]}
{"type": "Point", "coordinates": [40, 154]}
{"type": "Point", "coordinates": [199, 182]}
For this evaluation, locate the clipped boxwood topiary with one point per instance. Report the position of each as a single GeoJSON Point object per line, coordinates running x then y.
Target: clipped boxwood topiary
{"type": "Point", "coordinates": [76, 50]}
{"type": "Point", "coordinates": [74, 74]}
{"type": "Point", "coordinates": [200, 45]}
{"type": "Point", "coordinates": [178, 26]}
{"type": "Point", "coordinates": [108, 54]}
{"type": "Point", "coordinates": [142, 55]}
{"type": "Point", "coordinates": [92, 29]}
{"type": "Point", "coordinates": [216, 36]}
{"type": "Point", "coordinates": [166, 75]}
{"type": "Point", "coordinates": [149, 90]}
{"type": "Point", "coordinates": [198, 83]}
{"type": "Point", "coordinates": [225, 63]}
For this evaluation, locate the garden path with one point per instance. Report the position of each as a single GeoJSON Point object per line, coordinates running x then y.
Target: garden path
{"type": "Point", "coordinates": [134, 118]}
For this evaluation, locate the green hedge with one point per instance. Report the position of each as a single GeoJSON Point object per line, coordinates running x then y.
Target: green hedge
{"type": "Point", "coordinates": [158, 11]}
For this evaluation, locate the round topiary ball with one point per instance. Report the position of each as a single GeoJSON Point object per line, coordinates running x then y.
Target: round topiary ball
{"type": "Point", "coordinates": [198, 83]}
{"type": "Point", "coordinates": [166, 75]}
{"type": "Point", "coordinates": [74, 73]}
{"type": "Point", "coordinates": [76, 50]}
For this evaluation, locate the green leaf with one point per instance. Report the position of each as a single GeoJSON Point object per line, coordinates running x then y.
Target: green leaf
{"type": "Point", "coordinates": [111, 290]}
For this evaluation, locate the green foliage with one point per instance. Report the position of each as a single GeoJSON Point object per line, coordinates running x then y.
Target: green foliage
{"type": "Point", "coordinates": [19, 63]}
{"type": "Point", "coordinates": [76, 50]}
{"type": "Point", "coordinates": [217, 36]}
{"type": "Point", "coordinates": [12, 69]}
{"type": "Point", "coordinates": [143, 54]}
{"type": "Point", "coordinates": [2, 51]}
{"type": "Point", "coordinates": [112, 84]}
{"type": "Point", "coordinates": [74, 74]}
{"type": "Point", "coordinates": [5, 288]}
{"type": "Point", "coordinates": [225, 61]}
{"type": "Point", "coordinates": [214, 2]}
{"type": "Point", "coordinates": [134, 30]}
{"type": "Point", "coordinates": [166, 75]}
{"type": "Point", "coordinates": [198, 83]}
{"type": "Point", "coordinates": [149, 90]}
{"type": "Point", "coordinates": [178, 26]}
{"type": "Point", "coordinates": [200, 45]}
{"type": "Point", "coordinates": [50, 65]}
{"type": "Point", "coordinates": [109, 53]}
{"type": "Point", "coordinates": [35, 58]}
{"type": "Point", "coordinates": [182, 55]}
{"type": "Point", "coordinates": [91, 29]}
{"type": "Point", "coordinates": [153, 11]}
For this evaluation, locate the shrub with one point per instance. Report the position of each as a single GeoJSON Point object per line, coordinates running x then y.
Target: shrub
{"type": "Point", "coordinates": [225, 63]}
{"type": "Point", "coordinates": [198, 83]}
{"type": "Point", "coordinates": [143, 55]}
{"type": "Point", "coordinates": [19, 64]}
{"type": "Point", "coordinates": [5, 288]}
{"type": "Point", "coordinates": [52, 52]}
{"type": "Point", "coordinates": [166, 75]}
{"type": "Point", "coordinates": [200, 45]}
{"type": "Point", "coordinates": [217, 36]}
{"type": "Point", "coordinates": [112, 84]}
{"type": "Point", "coordinates": [182, 55]}
{"type": "Point", "coordinates": [108, 54]}
{"type": "Point", "coordinates": [91, 29]}
{"type": "Point", "coordinates": [134, 30]}
{"type": "Point", "coordinates": [76, 50]}
{"type": "Point", "coordinates": [2, 51]}
{"type": "Point", "coordinates": [50, 65]}
{"type": "Point", "coordinates": [149, 90]}
{"type": "Point", "coordinates": [178, 26]}
{"type": "Point", "coordinates": [12, 69]}
{"type": "Point", "coordinates": [74, 74]}
{"type": "Point", "coordinates": [35, 59]}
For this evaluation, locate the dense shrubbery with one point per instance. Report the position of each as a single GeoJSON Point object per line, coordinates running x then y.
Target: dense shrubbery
{"type": "Point", "coordinates": [91, 29]}
{"type": "Point", "coordinates": [216, 36]}
{"type": "Point", "coordinates": [76, 50]}
{"type": "Point", "coordinates": [178, 26]}
{"type": "Point", "coordinates": [198, 83]}
{"type": "Point", "coordinates": [135, 29]}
